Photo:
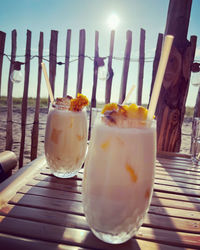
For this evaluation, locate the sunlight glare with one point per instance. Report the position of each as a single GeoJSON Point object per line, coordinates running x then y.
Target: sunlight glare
{"type": "Point", "coordinates": [113, 21]}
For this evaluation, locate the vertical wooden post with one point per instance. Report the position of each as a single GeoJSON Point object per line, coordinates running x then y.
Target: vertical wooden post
{"type": "Point", "coordinates": [110, 70]}
{"type": "Point", "coordinates": [171, 103]}
{"type": "Point", "coordinates": [9, 130]}
{"type": "Point", "coordinates": [25, 97]}
{"type": "Point", "coordinates": [67, 56]}
{"type": "Point", "coordinates": [141, 66]}
{"type": "Point", "coordinates": [95, 75]}
{"type": "Point", "coordinates": [156, 62]}
{"type": "Point", "coordinates": [35, 129]}
{"type": "Point", "coordinates": [127, 53]}
{"type": "Point", "coordinates": [80, 61]}
{"type": "Point", "coordinates": [53, 58]}
{"type": "Point", "coordinates": [2, 46]}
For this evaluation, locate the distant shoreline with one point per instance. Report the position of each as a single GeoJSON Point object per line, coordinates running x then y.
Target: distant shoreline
{"type": "Point", "coordinates": [44, 104]}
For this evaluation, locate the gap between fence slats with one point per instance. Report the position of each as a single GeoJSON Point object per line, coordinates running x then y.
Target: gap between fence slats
{"type": "Point", "coordinates": [67, 56]}
{"type": "Point", "coordinates": [25, 97]}
{"type": "Point", "coordinates": [81, 60]}
{"type": "Point", "coordinates": [127, 53]}
{"type": "Point", "coordinates": [2, 42]}
{"type": "Point", "coordinates": [141, 67]}
{"type": "Point", "coordinates": [9, 127]}
{"type": "Point", "coordinates": [95, 75]}
{"type": "Point", "coordinates": [110, 70]}
{"type": "Point", "coordinates": [35, 130]}
{"type": "Point", "coordinates": [53, 58]}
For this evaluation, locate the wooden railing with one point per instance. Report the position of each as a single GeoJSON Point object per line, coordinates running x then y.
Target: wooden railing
{"type": "Point", "coordinates": [52, 75]}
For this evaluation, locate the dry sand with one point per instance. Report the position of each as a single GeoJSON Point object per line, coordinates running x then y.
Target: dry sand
{"type": "Point", "coordinates": [185, 146]}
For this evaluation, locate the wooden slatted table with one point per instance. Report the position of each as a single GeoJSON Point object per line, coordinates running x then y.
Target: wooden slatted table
{"type": "Point", "coordinates": [39, 211]}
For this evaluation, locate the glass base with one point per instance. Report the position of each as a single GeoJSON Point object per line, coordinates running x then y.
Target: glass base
{"type": "Point", "coordinates": [65, 174]}
{"type": "Point", "coordinates": [114, 239]}
{"type": "Point", "coordinates": [195, 161]}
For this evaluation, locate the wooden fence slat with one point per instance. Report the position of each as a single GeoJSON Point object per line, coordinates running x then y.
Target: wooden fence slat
{"type": "Point", "coordinates": [67, 56]}
{"type": "Point", "coordinates": [25, 97]}
{"type": "Point", "coordinates": [95, 75]}
{"type": "Point", "coordinates": [156, 61]}
{"type": "Point", "coordinates": [53, 58]}
{"type": "Point", "coordinates": [81, 61]}
{"type": "Point", "coordinates": [110, 70]}
{"type": "Point", "coordinates": [2, 46]}
{"type": "Point", "coordinates": [9, 128]}
{"type": "Point", "coordinates": [35, 129]}
{"type": "Point", "coordinates": [127, 53]}
{"type": "Point", "coordinates": [141, 66]}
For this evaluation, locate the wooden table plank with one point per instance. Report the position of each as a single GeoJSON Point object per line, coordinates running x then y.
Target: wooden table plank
{"type": "Point", "coordinates": [66, 195]}
{"type": "Point", "coordinates": [177, 179]}
{"type": "Point", "coordinates": [181, 166]}
{"type": "Point", "coordinates": [78, 221]}
{"type": "Point", "coordinates": [76, 207]}
{"type": "Point", "coordinates": [28, 243]}
{"type": "Point", "coordinates": [53, 193]}
{"type": "Point", "coordinates": [179, 174]}
{"type": "Point", "coordinates": [15, 242]}
{"type": "Point", "coordinates": [176, 190]}
{"type": "Point", "coordinates": [47, 216]}
{"type": "Point", "coordinates": [67, 206]}
{"type": "Point", "coordinates": [175, 171]}
{"type": "Point", "coordinates": [84, 238]}
{"type": "Point", "coordinates": [177, 197]}
{"type": "Point", "coordinates": [51, 178]}
{"type": "Point", "coordinates": [174, 212]}
{"type": "Point", "coordinates": [56, 186]}
{"type": "Point", "coordinates": [178, 184]}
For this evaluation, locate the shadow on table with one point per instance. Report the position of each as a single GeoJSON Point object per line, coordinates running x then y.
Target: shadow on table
{"type": "Point", "coordinates": [191, 194]}
{"type": "Point", "coordinates": [92, 240]}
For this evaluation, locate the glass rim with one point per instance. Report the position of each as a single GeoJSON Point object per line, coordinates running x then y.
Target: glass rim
{"type": "Point", "coordinates": [65, 108]}
{"type": "Point", "coordinates": [196, 118]}
{"type": "Point", "coordinates": [127, 123]}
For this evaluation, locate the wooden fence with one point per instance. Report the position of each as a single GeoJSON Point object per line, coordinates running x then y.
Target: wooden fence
{"type": "Point", "coordinates": [52, 74]}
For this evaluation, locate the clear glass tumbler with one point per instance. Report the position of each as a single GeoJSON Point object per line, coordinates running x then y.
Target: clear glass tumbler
{"type": "Point", "coordinates": [118, 179]}
{"type": "Point", "coordinates": [65, 141]}
{"type": "Point", "coordinates": [196, 141]}
{"type": "Point", "coordinates": [196, 151]}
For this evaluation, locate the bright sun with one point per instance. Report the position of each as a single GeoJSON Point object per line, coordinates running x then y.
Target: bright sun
{"type": "Point", "coordinates": [113, 21]}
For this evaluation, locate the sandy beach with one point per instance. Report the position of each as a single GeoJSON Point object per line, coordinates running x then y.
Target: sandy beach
{"type": "Point", "coordinates": [185, 145]}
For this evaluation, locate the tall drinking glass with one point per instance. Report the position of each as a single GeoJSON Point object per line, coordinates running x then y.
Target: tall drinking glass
{"type": "Point", "coordinates": [118, 179]}
{"type": "Point", "coordinates": [65, 141]}
{"type": "Point", "coordinates": [196, 141]}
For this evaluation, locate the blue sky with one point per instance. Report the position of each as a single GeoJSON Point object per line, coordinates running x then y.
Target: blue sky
{"type": "Point", "coordinates": [91, 15]}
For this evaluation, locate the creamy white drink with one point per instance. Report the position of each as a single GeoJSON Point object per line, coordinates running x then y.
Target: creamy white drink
{"type": "Point", "coordinates": [118, 179]}
{"type": "Point", "coordinates": [65, 141]}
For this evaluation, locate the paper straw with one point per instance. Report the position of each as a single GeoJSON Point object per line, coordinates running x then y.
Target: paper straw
{"type": "Point", "coordinates": [47, 82]}
{"type": "Point", "coordinates": [128, 95]}
{"type": "Point", "coordinates": [166, 48]}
